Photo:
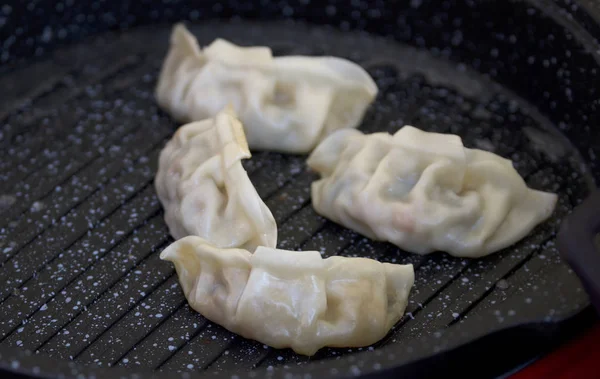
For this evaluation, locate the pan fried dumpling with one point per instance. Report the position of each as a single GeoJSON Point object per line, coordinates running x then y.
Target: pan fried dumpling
{"type": "Point", "coordinates": [286, 104]}
{"type": "Point", "coordinates": [424, 192]}
{"type": "Point", "coordinates": [206, 192]}
{"type": "Point", "coordinates": [292, 299]}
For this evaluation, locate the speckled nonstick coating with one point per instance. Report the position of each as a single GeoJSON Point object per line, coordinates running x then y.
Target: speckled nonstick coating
{"type": "Point", "coordinates": [81, 227]}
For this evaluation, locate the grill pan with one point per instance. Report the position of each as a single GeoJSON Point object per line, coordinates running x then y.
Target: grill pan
{"type": "Point", "coordinates": [81, 227]}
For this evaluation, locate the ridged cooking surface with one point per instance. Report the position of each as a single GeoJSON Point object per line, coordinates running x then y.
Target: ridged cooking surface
{"type": "Point", "coordinates": [82, 228]}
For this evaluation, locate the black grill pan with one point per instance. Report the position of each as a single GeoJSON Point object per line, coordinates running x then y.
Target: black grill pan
{"type": "Point", "coordinates": [81, 226]}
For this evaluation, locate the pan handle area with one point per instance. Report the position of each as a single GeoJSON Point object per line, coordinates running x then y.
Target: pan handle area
{"type": "Point", "coordinates": [577, 244]}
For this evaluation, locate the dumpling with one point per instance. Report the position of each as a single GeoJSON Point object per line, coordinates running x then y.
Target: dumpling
{"type": "Point", "coordinates": [206, 192]}
{"type": "Point", "coordinates": [424, 192]}
{"type": "Point", "coordinates": [292, 299]}
{"type": "Point", "coordinates": [286, 104]}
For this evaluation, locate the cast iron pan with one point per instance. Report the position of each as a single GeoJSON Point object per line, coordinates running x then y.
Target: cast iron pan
{"type": "Point", "coordinates": [81, 227]}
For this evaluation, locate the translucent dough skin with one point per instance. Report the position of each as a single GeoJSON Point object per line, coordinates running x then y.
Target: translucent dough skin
{"type": "Point", "coordinates": [286, 104]}
{"type": "Point", "coordinates": [292, 299]}
{"type": "Point", "coordinates": [424, 192]}
{"type": "Point", "coordinates": [204, 189]}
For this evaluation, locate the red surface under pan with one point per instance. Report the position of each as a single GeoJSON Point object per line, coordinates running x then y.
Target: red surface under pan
{"type": "Point", "coordinates": [579, 358]}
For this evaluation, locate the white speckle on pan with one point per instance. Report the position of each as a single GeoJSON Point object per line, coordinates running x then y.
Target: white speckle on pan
{"type": "Point", "coordinates": [502, 284]}
{"type": "Point", "coordinates": [47, 34]}
{"type": "Point", "coordinates": [6, 201]}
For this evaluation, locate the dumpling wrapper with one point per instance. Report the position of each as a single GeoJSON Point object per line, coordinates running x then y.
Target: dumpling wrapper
{"type": "Point", "coordinates": [424, 192]}
{"type": "Point", "coordinates": [205, 190]}
{"type": "Point", "coordinates": [292, 299]}
{"type": "Point", "coordinates": [286, 104]}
